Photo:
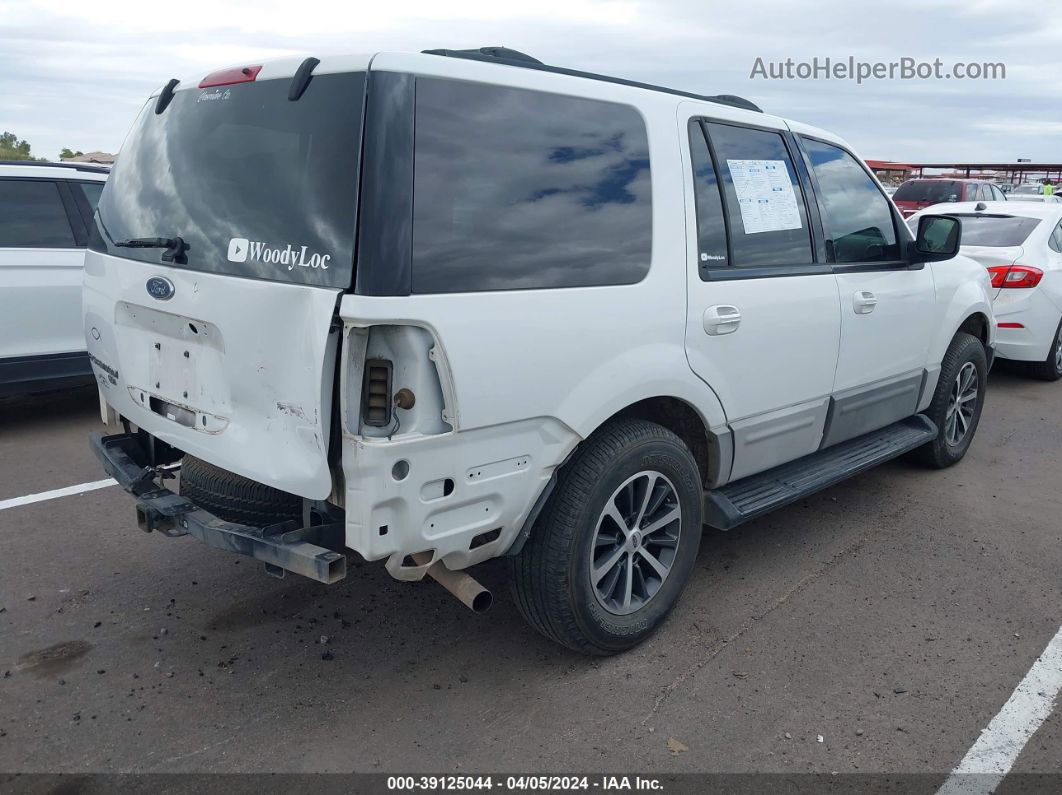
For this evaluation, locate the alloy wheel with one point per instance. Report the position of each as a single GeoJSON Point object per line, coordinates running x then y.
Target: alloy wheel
{"type": "Point", "coordinates": [962, 402]}
{"type": "Point", "coordinates": [635, 542]}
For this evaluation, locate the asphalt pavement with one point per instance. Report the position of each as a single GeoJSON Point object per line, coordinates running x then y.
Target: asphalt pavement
{"type": "Point", "coordinates": [877, 627]}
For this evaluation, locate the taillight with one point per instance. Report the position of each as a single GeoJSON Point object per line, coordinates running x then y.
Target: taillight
{"type": "Point", "coordinates": [376, 393]}
{"type": "Point", "coordinates": [1015, 276]}
{"type": "Point", "coordinates": [1010, 325]}
{"type": "Point", "coordinates": [226, 77]}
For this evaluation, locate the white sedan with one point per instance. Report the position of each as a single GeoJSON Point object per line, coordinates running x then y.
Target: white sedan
{"type": "Point", "coordinates": [1020, 243]}
{"type": "Point", "coordinates": [1054, 198]}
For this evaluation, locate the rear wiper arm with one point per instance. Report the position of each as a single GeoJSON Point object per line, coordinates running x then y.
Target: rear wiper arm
{"type": "Point", "coordinates": [175, 246]}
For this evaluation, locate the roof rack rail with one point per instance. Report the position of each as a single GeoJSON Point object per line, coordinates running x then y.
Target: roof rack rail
{"type": "Point", "coordinates": [93, 167]}
{"type": "Point", "coordinates": [488, 54]}
{"type": "Point", "coordinates": [508, 57]}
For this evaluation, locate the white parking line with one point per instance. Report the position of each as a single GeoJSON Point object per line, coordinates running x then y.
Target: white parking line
{"type": "Point", "coordinates": [994, 753]}
{"type": "Point", "coordinates": [14, 502]}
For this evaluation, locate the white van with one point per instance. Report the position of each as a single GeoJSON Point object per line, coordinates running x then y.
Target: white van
{"type": "Point", "coordinates": [442, 307]}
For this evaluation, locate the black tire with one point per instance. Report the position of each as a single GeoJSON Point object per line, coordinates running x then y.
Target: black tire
{"type": "Point", "coordinates": [1050, 369]}
{"type": "Point", "coordinates": [551, 575]}
{"type": "Point", "coordinates": [235, 498]}
{"type": "Point", "coordinates": [940, 453]}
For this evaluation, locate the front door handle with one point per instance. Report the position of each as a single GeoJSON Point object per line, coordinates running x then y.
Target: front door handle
{"type": "Point", "coordinates": [721, 319]}
{"type": "Point", "coordinates": [864, 302]}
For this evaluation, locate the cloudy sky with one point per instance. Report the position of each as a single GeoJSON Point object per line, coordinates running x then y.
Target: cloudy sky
{"type": "Point", "coordinates": [74, 73]}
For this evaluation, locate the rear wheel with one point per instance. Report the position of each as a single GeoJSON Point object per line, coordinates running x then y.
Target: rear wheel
{"type": "Point", "coordinates": [1050, 369]}
{"type": "Point", "coordinates": [612, 549]}
{"type": "Point", "coordinates": [235, 498]}
{"type": "Point", "coordinates": [957, 402]}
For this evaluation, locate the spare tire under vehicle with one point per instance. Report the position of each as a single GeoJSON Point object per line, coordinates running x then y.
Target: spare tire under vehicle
{"type": "Point", "coordinates": [235, 498]}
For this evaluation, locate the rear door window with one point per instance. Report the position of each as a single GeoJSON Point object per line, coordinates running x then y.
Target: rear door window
{"type": "Point", "coordinates": [518, 189]}
{"type": "Point", "coordinates": [255, 185]}
{"type": "Point", "coordinates": [32, 215]}
{"type": "Point", "coordinates": [764, 201]}
{"type": "Point", "coordinates": [857, 217]}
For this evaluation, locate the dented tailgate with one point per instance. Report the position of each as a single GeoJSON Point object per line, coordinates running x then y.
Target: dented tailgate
{"type": "Point", "coordinates": [235, 371]}
{"type": "Point", "coordinates": [222, 241]}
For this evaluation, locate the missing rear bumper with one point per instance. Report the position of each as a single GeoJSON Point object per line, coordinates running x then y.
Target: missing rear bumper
{"type": "Point", "coordinates": [315, 551]}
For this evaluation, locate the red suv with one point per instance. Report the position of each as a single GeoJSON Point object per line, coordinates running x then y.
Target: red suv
{"type": "Point", "coordinates": [915, 194]}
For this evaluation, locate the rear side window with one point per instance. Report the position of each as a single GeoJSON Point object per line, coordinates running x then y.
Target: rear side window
{"type": "Point", "coordinates": [711, 226]}
{"type": "Point", "coordinates": [932, 191]}
{"type": "Point", "coordinates": [857, 217]}
{"type": "Point", "coordinates": [517, 189]}
{"type": "Point", "coordinates": [91, 191]}
{"type": "Point", "coordinates": [32, 215]}
{"type": "Point", "coordinates": [765, 205]}
{"type": "Point", "coordinates": [996, 230]}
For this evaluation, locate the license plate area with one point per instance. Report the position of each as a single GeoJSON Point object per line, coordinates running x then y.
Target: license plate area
{"type": "Point", "coordinates": [188, 416]}
{"type": "Point", "coordinates": [174, 366]}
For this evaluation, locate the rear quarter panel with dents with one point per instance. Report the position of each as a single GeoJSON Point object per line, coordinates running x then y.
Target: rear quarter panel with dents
{"type": "Point", "coordinates": [962, 289]}
{"type": "Point", "coordinates": [529, 378]}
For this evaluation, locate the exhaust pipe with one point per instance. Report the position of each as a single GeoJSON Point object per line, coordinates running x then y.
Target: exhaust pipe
{"type": "Point", "coordinates": [469, 592]}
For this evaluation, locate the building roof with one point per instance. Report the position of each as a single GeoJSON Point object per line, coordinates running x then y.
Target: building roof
{"type": "Point", "coordinates": [887, 165]}
{"type": "Point", "coordinates": [949, 178]}
{"type": "Point", "coordinates": [103, 158]}
{"type": "Point", "coordinates": [994, 166]}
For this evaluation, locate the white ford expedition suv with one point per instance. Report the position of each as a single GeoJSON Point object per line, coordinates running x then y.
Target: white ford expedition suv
{"type": "Point", "coordinates": [442, 307]}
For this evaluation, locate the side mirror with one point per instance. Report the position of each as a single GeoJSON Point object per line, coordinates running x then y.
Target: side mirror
{"type": "Point", "coordinates": [938, 238]}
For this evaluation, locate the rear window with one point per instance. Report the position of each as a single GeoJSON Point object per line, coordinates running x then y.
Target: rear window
{"type": "Point", "coordinates": [255, 185]}
{"type": "Point", "coordinates": [932, 191]}
{"type": "Point", "coordinates": [518, 189]}
{"type": "Point", "coordinates": [996, 230]}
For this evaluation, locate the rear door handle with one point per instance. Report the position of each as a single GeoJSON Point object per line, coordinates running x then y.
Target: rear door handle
{"type": "Point", "coordinates": [864, 302]}
{"type": "Point", "coordinates": [721, 319]}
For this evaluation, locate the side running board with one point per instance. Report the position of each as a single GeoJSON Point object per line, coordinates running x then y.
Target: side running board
{"type": "Point", "coordinates": [756, 495]}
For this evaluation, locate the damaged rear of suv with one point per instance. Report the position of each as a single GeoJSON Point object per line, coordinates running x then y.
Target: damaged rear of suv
{"type": "Point", "coordinates": [443, 307]}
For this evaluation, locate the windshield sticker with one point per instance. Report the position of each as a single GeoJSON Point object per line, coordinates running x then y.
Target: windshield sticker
{"type": "Point", "coordinates": [241, 249]}
{"type": "Point", "coordinates": [765, 195]}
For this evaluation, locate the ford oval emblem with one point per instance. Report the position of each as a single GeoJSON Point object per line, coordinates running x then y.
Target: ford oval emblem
{"type": "Point", "coordinates": [160, 288]}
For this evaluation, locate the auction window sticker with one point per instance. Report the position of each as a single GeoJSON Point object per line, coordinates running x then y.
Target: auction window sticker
{"type": "Point", "coordinates": [765, 195]}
